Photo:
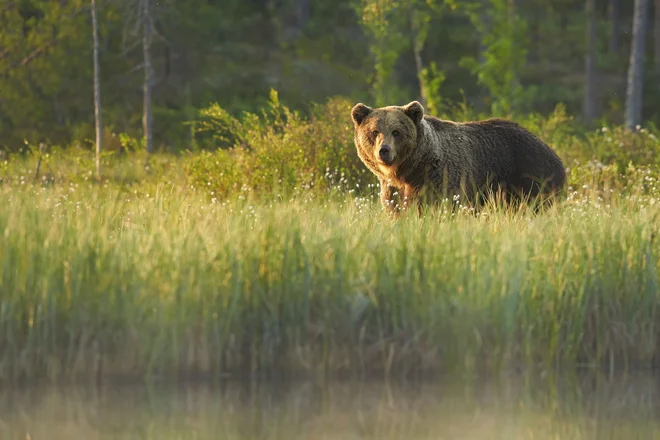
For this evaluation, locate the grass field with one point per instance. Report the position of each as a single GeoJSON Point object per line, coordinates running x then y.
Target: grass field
{"type": "Point", "coordinates": [278, 258]}
{"type": "Point", "coordinates": [103, 280]}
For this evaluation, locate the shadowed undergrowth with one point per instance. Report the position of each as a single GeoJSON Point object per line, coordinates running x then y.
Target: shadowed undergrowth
{"type": "Point", "coordinates": [98, 281]}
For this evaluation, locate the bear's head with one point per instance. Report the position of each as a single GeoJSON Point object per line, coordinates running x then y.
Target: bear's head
{"type": "Point", "coordinates": [385, 136]}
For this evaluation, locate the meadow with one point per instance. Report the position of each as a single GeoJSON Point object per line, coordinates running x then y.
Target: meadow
{"type": "Point", "coordinates": [274, 257]}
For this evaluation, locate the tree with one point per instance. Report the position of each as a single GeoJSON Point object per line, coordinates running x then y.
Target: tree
{"type": "Point", "coordinates": [43, 59]}
{"type": "Point", "coordinates": [590, 65]}
{"type": "Point", "coordinates": [656, 37]}
{"type": "Point", "coordinates": [394, 27]}
{"type": "Point", "coordinates": [420, 13]}
{"type": "Point", "coordinates": [97, 91]}
{"type": "Point", "coordinates": [139, 22]}
{"type": "Point", "coordinates": [615, 25]}
{"type": "Point", "coordinates": [504, 37]}
{"type": "Point", "coordinates": [636, 65]}
{"type": "Point", "coordinates": [419, 30]}
{"type": "Point", "coordinates": [147, 21]}
{"type": "Point", "coordinates": [381, 21]}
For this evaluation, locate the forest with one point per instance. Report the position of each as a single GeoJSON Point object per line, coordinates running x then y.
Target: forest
{"type": "Point", "coordinates": [170, 59]}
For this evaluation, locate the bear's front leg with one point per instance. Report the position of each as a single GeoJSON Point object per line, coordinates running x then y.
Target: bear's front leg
{"type": "Point", "coordinates": [387, 198]}
{"type": "Point", "coordinates": [410, 199]}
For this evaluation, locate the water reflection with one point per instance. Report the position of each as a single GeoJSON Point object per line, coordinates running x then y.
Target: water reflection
{"type": "Point", "coordinates": [586, 407]}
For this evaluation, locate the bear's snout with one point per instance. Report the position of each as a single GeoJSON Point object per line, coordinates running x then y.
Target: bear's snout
{"type": "Point", "coordinates": [385, 153]}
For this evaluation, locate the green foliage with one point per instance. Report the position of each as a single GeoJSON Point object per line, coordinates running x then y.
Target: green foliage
{"type": "Point", "coordinates": [278, 151]}
{"type": "Point", "coordinates": [615, 144]}
{"type": "Point", "coordinates": [433, 78]}
{"type": "Point", "coordinates": [35, 40]}
{"type": "Point", "coordinates": [233, 52]}
{"type": "Point", "coordinates": [386, 26]}
{"type": "Point", "coordinates": [124, 166]}
{"type": "Point", "coordinates": [504, 35]}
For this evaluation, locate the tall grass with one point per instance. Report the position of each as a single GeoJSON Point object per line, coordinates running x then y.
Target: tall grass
{"type": "Point", "coordinates": [97, 281]}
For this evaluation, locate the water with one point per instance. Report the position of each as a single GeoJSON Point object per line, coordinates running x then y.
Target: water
{"type": "Point", "coordinates": [588, 407]}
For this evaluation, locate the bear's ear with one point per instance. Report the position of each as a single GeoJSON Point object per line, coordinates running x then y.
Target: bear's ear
{"type": "Point", "coordinates": [359, 112]}
{"type": "Point", "coordinates": [415, 111]}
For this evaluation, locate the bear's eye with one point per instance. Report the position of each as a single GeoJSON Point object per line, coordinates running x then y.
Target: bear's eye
{"type": "Point", "coordinates": [395, 133]}
{"type": "Point", "coordinates": [375, 133]}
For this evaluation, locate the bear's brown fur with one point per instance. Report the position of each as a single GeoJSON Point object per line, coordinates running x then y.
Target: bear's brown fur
{"type": "Point", "coordinates": [419, 155]}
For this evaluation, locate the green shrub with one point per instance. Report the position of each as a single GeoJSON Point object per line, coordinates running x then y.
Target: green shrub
{"type": "Point", "coordinates": [279, 151]}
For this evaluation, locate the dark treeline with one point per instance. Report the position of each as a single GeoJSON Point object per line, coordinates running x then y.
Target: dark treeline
{"type": "Point", "coordinates": [497, 56]}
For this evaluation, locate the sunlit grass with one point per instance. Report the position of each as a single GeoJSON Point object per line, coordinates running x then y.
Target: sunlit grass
{"type": "Point", "coordinates": [98, 281]}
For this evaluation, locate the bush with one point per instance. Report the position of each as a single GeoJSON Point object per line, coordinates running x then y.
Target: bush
{"type": "Point", "coordinates": [279, 150]}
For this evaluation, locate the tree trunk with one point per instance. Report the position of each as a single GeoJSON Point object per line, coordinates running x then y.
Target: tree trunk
{"type": "Point", "coordinates": [615, 25]}
{"type": "Point", "coordinates": [419, 65]}
{"type": "Point", "coordinates": [514, 8]}
{"type": "Point", "coordinates": [418, 45]}
{"type": "Point", "coordinates": [485, 17]}
{"type": "Point", "coordinates": [636, 65]}
{"type": "Point", "coordinates": [656, 37]}
{"type": "Point", "coordinates": [97, 92]}
{"type": "Point", "coordinates": [590, 65]}
{"type": "Point", "coordinates": [535, 38]}
{"type": "Point", "coordinates": [148, 74]}
{"type": "Point", "coordinates": [302, 14]}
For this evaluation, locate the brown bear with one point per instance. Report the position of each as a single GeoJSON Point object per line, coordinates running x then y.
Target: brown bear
{"type": "Point", "coordinates": [421, 156]}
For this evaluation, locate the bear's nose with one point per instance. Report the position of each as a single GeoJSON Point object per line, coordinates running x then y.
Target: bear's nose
{"type": "Point", "coordinates": [384, 152]}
